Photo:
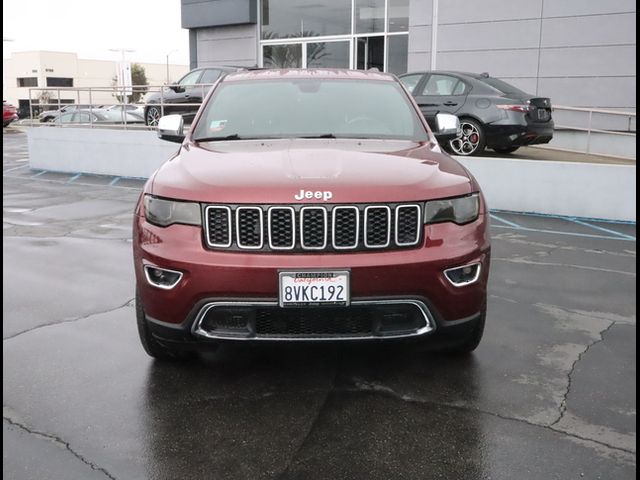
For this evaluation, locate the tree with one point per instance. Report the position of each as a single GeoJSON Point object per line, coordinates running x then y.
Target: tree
{"type": "Point", "coordinates": [139, 82]}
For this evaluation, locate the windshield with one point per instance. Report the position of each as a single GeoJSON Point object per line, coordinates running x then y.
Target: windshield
{"type": "Point", "coordinates": [297, 108]}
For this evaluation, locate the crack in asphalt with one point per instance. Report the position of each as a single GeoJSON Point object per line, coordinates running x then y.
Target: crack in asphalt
{"type": "Point", "coordinates": [312, 427]}
{"type": "Point", "coordinates": [563, 403]}
{"type": "Point", "coordinates": [60, 441]}
{"type": "Point", "coordinates": [384, 390]}
{"type": "Point", "coordinates": [128, 303]}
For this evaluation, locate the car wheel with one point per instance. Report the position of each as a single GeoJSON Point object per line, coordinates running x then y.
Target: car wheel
{"type": "Point", "coordinates": [152, 116]}
{"type": "Point", "coordinates": [471, 141]}
{"type": "Point", "coordinates": [154, 348]}
{"type": "Point", "coordinates": [505, 150]}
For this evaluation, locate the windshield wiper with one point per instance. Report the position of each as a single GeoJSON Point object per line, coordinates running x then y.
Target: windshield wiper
{"type": "Point", "coordinates": [324, 135]}
{"type": "Point", "coordinates": [233, 136]}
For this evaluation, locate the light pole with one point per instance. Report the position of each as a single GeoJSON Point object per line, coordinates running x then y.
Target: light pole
{"type": "Point", "coordinates": [122, 52]}
{"type": "Point", "coordinates": [169, 53]}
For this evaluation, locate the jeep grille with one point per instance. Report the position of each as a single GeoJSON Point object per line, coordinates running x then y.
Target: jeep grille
{"type": "Point", "coordinates": [312, 228]}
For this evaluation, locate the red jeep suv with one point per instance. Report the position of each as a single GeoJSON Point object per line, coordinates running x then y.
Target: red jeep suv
{"type": "Point", "coordinates": [309, 205]}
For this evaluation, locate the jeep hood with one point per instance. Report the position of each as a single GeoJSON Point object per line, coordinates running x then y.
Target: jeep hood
{"type": "Point", "coordinates": [274, 171]}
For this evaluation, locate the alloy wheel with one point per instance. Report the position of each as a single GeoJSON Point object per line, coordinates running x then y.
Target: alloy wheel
{"type": "Point", "coordinates": [469, 140]}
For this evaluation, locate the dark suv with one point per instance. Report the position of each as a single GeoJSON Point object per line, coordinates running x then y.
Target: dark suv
{"type": "Point", "coordinates": [299, 210]}
{"type": "Point", "coordinates": [493, 113]}
{"type": "Point", "coordinates": [185, 96]}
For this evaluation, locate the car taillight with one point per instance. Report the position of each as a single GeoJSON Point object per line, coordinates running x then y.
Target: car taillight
{"type": "Point", "coordinates": [515, 108]}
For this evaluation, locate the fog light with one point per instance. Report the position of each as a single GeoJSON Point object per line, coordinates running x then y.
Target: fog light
{"type": "Point", "coordinates": [465, 275]}
{"type": "Point", "coordinates": [161, 277]}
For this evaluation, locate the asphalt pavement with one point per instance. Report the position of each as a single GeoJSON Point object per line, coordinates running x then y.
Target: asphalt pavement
{"type": "Point", "coordinates": [549, 394]}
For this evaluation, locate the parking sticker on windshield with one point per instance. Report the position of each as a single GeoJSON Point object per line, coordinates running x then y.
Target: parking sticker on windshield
{"type": "Point", "coordinates": [217, 125]}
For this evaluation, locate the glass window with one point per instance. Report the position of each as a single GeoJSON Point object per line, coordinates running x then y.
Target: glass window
{"type": "Point", "coordinates": [65, 118]}
{"type": "Point", "coordinates": [397, 53]}
{"type": "Point", "coordinates": [328, 54]}
{"type": "Point", "coordinates": [398, 15]}
{"type": "Point", "coordinates": [282, 56]}
{"type": "Point", "coordinates": [442, 85]}
{"type": "Point", "coordinates": [370, 53]}
{"type": "Point", "coordinates": [81, 117]}
{"type": "Point", "coordinates": [411, 81]}
{"type": "Point", "coordinates": [27, 82]}
{"type": "Point", "coordinates": [286, 108]}
{"type": "Point", "coordinates": [369, 16]}
{"type": "Point", "coordinates": [190, 78]}
{"type": "Point", "coordinates": [305, 18]}
{"type": "Point", "coordinates": [59, 82]}
{"type": "Point", "coordinates": [210, 76]}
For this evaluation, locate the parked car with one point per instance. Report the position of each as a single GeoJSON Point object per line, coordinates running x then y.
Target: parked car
{"type": "Point", "coordinates": [137, 109]}
{"type": "Point", "coordinates": [51, 115]}
{"type": "Point", "coordinates": [9, 113]}
{"type": "Point", "coordinates": [297, 209]}
{"type": "Point", "coordinates": [189, 89]}
{"type": "Point", "coordinates": [493, 113]}
{"type": "Point", "coordinates": [99, 116]}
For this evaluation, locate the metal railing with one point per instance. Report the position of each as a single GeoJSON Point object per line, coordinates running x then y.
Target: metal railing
{"type": "Point", "coordinates": [594, 121]}
{"type": "Point", "coordinates": [591, 121]}
{"type": "Point", "coordinates": [92, 100]}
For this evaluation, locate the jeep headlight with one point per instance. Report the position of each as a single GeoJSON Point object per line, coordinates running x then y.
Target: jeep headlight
{"type": "Point", "coordinates": [163, 212]}
{"type": "Point", "coordinates": [459, 210]}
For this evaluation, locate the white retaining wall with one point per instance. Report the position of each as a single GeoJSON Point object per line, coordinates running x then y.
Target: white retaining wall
{"type": "Point", "coordinates": [590, 190]}
{"type": "Point", "coordinates": [560, 188]}
{"type": "Point", "coordinates": [130, 153]}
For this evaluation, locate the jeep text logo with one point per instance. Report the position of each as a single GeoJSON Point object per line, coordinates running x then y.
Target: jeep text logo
{"type": "Point", "coordinates": [326, 195]}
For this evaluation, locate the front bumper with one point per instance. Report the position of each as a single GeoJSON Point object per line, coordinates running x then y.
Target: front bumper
{"type": "Point", "coordinates": [410, 276]}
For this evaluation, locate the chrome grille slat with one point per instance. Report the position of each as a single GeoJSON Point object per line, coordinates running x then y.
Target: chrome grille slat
{"type": "Point", "coordinates": [407, 228]}
{"type": "Point", "coordinates": [377, 220]}
{"type": "Point", "coordinates": [345, 226]}
{"type": "Point", "coordinates": [218, 226]}
{"type": "Point", "coordinates": [249, 228]}
{"type": "Point", "coordinates": [281, 228]}
{"type": "Point", "coordinates": [313, 227]}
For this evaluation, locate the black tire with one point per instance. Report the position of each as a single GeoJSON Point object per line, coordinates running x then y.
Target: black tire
{"type": "Point", "coordinates": [471, 342]}
{"type": "Point", "coordinates": [505, 150]}
{"type": "Point", "coordinates": [154, 348]}
{"type": "Point", "coordinates": [471, 142]}
{"type": "Point", "coordinates": [152, 115]}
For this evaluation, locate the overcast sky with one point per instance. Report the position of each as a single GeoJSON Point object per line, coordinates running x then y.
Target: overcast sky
{"type": "Point", "coordinates": [91, 27]}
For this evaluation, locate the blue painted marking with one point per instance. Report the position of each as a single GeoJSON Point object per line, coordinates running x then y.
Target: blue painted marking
{"type": "Point", "coordinates": [602, 229]}
{"type": "Point", "coordinates": [114, 181]}
{"type": "Point", "coordinates": [74, 178]}
{"type": "Point", "coordinates": [511, 224]}
{"type": "Point", "coordinates": [571, 234]}
{"type": "Point", "coordinates": [39, 173]}
{"type": "Point", "coordinates": [565, 217]}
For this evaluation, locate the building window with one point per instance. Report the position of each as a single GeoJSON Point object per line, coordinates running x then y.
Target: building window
{"type": "Point", "coordinates": [59, 82]}
{"type": "Point", "coordinates": [305, 18]}
{"type": "Point", "coordinates": [358, 34]}
{"type": "Point", "coordinates": [27, 81]}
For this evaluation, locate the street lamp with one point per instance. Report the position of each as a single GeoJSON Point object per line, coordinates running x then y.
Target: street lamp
{"type": "Point", "coordinates": [122, 52]}
{"type": "Point", "coordinates": [169, 53]}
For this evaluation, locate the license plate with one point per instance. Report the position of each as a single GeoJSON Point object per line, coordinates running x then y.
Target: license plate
{"type": "Point", "coordinates": [314, 288]}
{"type": "Point", "coordinates": [543, 114]}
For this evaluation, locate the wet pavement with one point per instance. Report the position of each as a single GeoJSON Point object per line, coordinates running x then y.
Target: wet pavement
{"type": "Point", "coordinates": [549, 394]}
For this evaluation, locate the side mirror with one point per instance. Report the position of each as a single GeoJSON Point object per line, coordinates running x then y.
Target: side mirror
{"type": "Point", "coordinates": [447, 127]}
{"type": "Point", "coordinates": [171, 128]}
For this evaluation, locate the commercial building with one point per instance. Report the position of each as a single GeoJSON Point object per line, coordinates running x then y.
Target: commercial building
{"type": "Point", "coordinates": [578, 52]}
{"type": "Point", "coordinates": [53, 70]}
